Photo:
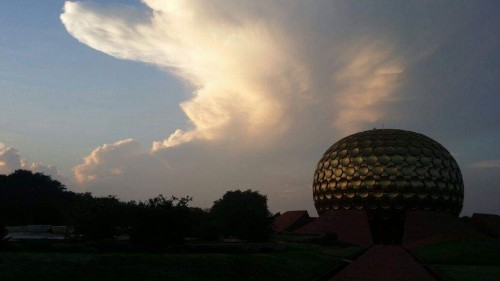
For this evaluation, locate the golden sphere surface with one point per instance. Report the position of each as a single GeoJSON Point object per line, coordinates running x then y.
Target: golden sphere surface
{"type": "Point", "coordinates": [390, 171]}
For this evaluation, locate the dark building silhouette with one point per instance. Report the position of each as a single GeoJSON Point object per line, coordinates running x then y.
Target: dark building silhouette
{"type": "Point", "coordinates": [487, 223]}
{"type": "Point", "coordinates": [350, 225]}
{"type": "Point", "coordinates": [291, 220]}
{"type": "Point", "coordinates": [425, 228]}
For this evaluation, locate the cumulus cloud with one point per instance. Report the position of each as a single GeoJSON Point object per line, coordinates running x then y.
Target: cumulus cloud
{"type": "Point", "coordinates": [107, 160]}
{"type": "Point", "coordinates": [123, 169]}
{"type": "Point", "coordinates": [10, 160]}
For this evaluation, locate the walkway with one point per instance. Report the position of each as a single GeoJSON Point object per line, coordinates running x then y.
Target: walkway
{"type": "Point", "coordinates": [384, 263]}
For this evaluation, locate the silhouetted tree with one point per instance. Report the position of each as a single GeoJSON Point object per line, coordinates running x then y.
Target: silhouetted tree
{"type": "Point", "coordinates": [98, 217]}
{"type": "Point", "coordinates": [243, 214]}
{"type": "Point", "coordinates": [161, 221]}
{"type": "Point", "coordinates": [32, 198]}
{"type": "Point", "coordinates": [35, 198]}
{"type": "Point", "coordinates": [202, 225]}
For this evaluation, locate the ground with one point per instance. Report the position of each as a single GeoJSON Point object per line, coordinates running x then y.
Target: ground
{"type": "Point", "coordinates": [463, 260]}
{"type": "Point", "coordinates": [39, 260]}
{"type": "Point", "coordinates": [296, 262]}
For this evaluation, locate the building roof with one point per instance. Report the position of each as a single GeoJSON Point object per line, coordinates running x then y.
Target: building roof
{"type": "Point", "coordinates": [290, 220]}
{"type": "Point", "coordinates": [424, 228]}
{"type": "Point", "coordinates": [350, 225]}
{"type": "Point", "coordinates": [487, 223]}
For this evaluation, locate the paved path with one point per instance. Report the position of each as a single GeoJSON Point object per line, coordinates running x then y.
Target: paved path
{"type": "Point", "coordinates": [384, 263]}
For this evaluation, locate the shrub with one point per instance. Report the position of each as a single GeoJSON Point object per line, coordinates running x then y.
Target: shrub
{"type": "Point", "coordinates": [160, 221]}
{"type": "Point", "coordinates": [98, 218]}
{"type": "Point", "coordinates": [242, 214]}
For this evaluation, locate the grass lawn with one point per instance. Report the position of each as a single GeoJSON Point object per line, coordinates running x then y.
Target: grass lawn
{"type": "Point", "coordinates": [479, 252]}
{"type": "Point", "coordinates": [470, 272]}
{"type": "Point", "coordinates": [464, 260]}
{"type": "Point", "coordinates": [297, 262]}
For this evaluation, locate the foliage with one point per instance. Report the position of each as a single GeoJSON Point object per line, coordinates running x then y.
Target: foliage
{"type": "Point", "coordinates": [32, 198]}
{"type": "Point", "coordinates": [202, 225]}
{"type": "Point", "coordinates": [35, 198]}
{"type": "Point", "coordinates": [97, 217]}
{"type": "Point", "coordinates": [160, 221]}
{"type": "Point", "coordinates": [242, 214]}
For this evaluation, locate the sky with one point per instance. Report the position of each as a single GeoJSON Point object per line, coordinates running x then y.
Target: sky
{"type": "Point", "coordinates": [137, 98]}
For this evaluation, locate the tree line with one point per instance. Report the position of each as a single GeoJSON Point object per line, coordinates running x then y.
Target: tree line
{"type": "Point", "coordinates": [36, 198]}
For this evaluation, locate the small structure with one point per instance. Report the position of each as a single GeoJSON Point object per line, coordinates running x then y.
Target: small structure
{"type": "Point", "coordinates": [424, 228]}
{"type": "Point", "coordinates": [290, 221]}
{"type": "Point", "coordinates": [34, 232]}
{"type": "Point", "coordinates": [488, 224]}
{"type": "Point", "coordinates": [350, 225]}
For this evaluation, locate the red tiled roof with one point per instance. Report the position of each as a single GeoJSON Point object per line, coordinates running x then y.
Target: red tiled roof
{"type": "Point", "coordinates": [290, 220]}
{"type": "Point", "coordinates": [487, 223]}
{"type": "Point", "coordinates": [350, 225]}
{"type": "Point", "coordinates": [424, 228]}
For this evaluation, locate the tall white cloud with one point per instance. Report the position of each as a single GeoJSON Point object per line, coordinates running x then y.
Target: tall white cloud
{"type": "Point", "coordinates": [248, 63]}
{"type": "Point", "coordinates": [275, 82]}
{"type": "Point", "coordinates": [269, 89]}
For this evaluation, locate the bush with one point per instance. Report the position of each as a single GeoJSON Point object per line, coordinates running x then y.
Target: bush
{"type": "Point", "coordinates": [160, 222]}
{"type": "Point", "coordinates": [202, 225]}
{"type": "Point", "coordinates": [242, 214]}
{"type": "Point", "coordinates": [32, 198]}
{"type": "Point", "coordinates": [98, 218]}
